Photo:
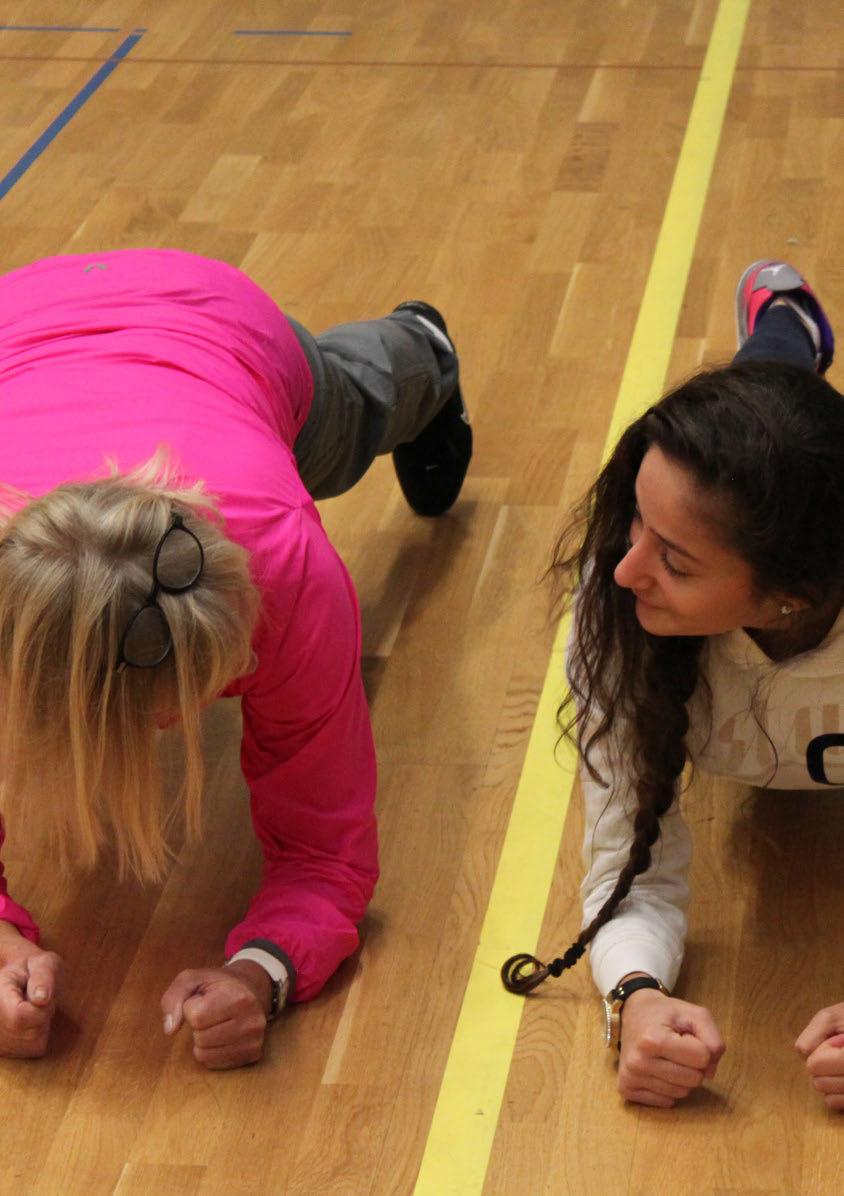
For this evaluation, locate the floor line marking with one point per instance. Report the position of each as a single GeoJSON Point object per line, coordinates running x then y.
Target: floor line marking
{"type": "Point", "coordinates": [292, 32]}
{"type": "Point", "coordinates": [66, 115]}
{"type": "Point", "coordinates": [56, 29]}
{"type": "Point", "coordinates": [430, 64]}
{"type": "Point", "coordinates": [466, 1115]}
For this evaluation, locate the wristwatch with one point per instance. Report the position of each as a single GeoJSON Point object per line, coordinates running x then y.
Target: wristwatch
{"type": "Point", "coordinates": [277, 972]}
{"type": "Point", "coordinates": [614, 1003]}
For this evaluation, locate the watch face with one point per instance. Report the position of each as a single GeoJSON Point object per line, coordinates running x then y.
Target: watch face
{"type": "Point", "coordinates": [607, 1021]}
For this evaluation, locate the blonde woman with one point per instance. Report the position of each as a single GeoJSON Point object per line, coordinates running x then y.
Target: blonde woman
{"type": "Point", "coordinates": [137, 585]}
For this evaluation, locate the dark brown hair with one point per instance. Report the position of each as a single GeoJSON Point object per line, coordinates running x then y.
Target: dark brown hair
{"type": "Point", "coordinates": [764, 442]}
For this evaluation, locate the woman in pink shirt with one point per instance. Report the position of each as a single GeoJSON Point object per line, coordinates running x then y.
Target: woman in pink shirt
{"type": "Point", "coordinates": [165, 430]}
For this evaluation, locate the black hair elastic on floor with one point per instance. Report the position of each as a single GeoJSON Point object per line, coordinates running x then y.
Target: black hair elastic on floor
{"type": "Point", "coordinates": [516, 977]}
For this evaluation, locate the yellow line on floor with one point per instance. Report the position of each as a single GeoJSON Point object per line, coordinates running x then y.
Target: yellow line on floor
{"type": "Point", "coordinates": [465, 1118]}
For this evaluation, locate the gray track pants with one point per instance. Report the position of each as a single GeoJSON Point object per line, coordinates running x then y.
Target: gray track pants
{"type": "Point", "coordinates": [377, 384]}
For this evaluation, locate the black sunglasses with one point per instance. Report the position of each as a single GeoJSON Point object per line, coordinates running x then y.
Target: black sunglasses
{"type": "Point", "coordinates": [176, 567]}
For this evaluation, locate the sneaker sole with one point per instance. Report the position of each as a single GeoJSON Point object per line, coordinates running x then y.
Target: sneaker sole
{"type": "Point", "coordinates": [741, 319]}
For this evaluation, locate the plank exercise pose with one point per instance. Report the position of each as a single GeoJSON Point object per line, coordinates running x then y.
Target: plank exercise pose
{"type": "Point", "coordinates": [707, 569]}
{"type": "Point", "coordinates": [135, 590]}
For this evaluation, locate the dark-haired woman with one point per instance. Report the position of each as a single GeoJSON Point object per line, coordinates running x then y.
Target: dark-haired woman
{"type": "Point", "coordinates": [707, 627]}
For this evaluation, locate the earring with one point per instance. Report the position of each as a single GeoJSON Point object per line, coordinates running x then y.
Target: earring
{"type": "Point", "coordinates": [785, 609]}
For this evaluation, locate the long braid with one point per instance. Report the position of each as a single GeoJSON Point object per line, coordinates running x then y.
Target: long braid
{"type": "Point", "coordinates": [671, 669]}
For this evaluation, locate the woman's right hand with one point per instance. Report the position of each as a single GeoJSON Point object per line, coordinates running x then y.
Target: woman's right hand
{"type": "Point", "coordinates": [29, 984]}
{"type": "Point", "coordinates": [668, 1048]}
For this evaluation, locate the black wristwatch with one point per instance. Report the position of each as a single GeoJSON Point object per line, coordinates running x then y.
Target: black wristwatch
{"type": "Point", "coordinates": [614, 1003]}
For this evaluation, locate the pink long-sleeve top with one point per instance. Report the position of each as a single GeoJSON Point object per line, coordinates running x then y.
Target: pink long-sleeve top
{"type": "Point", "coordinates": [111, 356]}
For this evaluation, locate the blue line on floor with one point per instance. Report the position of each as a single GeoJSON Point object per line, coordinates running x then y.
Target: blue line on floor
{"type": "Point", "coordinates": [292, 32]}
{"type": "Point", "coordinates": [58, 29]}
{"type": "Point", "coordinates": [52, 131]}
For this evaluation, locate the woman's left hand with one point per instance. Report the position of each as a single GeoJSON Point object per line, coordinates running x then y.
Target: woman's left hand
{"type": "Point", "coordinates": [226, 1008]}
{"type": "Point", "coordinates": [822, 1046]}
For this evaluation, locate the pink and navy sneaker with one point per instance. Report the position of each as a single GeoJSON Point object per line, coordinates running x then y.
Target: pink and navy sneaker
{"type": "Point", "coordinates": [766, 281]}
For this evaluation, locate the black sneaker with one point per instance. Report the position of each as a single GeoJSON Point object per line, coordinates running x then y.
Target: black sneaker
{"type": "Point", "coordinates": [432, 467]}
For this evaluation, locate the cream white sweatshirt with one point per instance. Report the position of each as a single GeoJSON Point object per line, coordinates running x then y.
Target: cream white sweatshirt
{"type": "Point", "coordinates": [800, 705]}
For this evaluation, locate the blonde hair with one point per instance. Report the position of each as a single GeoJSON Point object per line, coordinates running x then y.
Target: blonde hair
{"type": "Point", "coordinates": [79, 739]}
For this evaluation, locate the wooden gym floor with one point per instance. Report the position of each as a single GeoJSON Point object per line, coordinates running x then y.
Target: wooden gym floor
{"type": "Point", "coordinates": [511, 162]}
